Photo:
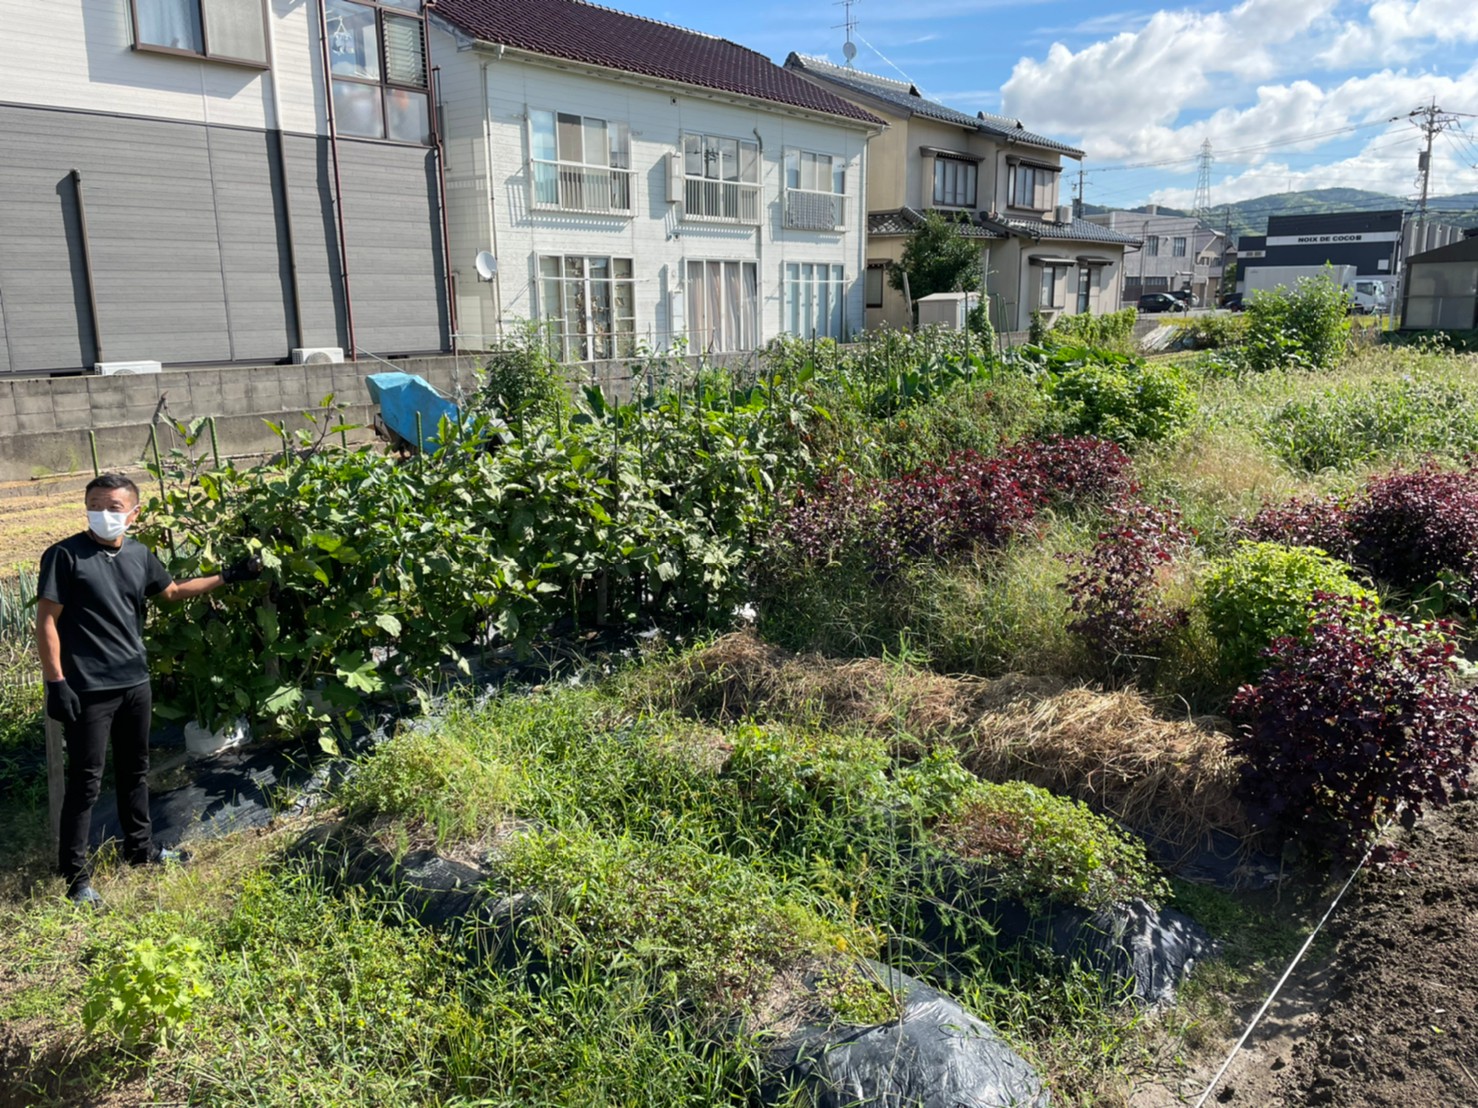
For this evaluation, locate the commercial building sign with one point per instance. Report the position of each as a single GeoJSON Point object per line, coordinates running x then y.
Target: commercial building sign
{"type": "Point", "coordinates": [1320, 240]}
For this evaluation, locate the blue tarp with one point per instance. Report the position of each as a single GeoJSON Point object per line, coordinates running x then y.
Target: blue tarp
{"type": "Point", "coordinates": [400, 396]}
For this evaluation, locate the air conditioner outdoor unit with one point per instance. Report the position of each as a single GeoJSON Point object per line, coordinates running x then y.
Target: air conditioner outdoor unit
{"type": "Point", "coordinates": [1064, 213]}
{"type": "Point", "coordinates": [317, 355]}
{"type": "Point", "coordinates": [115, 369]}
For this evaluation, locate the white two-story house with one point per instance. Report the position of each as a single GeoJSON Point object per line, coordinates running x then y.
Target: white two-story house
{"type": "Point", "coordinates": [630, 184]}
{"type": "Point", "coordinates": [998, 180]}
{"type": "Point", "coordinates": [216, 181]}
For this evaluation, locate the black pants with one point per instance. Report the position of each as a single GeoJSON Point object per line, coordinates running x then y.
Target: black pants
{"type": "Point", "coordinates": [124, 716]}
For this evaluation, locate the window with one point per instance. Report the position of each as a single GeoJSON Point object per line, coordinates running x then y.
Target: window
{"type": "Point", "coordinates": [1033, 186]}
{"type": "Point", "coordinates": [226, 30]}
{"type": "Point", "coordinates": [954, 182]}
{"type": "Point", "coordinates": [1085, 289]}
{"type": "Point", "coordinates": [579, 163]}
{"type": "Point", "coordinates": [378, 59]}
{"type": "Point", "coordinates": [721, 179]}
{"type": "Point", "coordinates": [873, 284]}
{"type": "Point", "coordinates": [589, 304]}
{"type": "Point", "coordinates": [723, 305]}
{"type": "Point", "coordinates": [813, 300]}
{"type": "Point", "coordinates": [1177, 246]}
{"type": "Point", "coordinates": [1049, 294]}
{"type": "Point", "coordinates": [815, 191]}
{"type": "Point", "coordinates": [1152, 246]}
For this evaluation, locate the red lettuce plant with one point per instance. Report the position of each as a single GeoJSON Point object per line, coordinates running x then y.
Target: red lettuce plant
{"type": "Point", "coordinates": [1420, 528]}
{"type": "Point", "coordinates": [1323, 523]}
{"type": "Point", "coordinates": [1115, 599]}
{"type": "Point", "coordinates": [1359, 721]}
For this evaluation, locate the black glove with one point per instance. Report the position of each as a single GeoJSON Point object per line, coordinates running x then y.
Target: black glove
{"type": "Point", "coordinates": [248, 569]}
{"type": "Point", "coordinates": [62, 704]}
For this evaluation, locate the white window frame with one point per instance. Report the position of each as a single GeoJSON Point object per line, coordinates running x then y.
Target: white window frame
{"type": "Point", "coordinates": [815, 198]}
{"type": "Point", "coordinates": [715, 323]}
{"type": "Point", "coordinates": [573, 290]}
{"type": "Point", "coordinates": [956, 182]}
{"type": "Point", "coordinates": [1177, 246]}
{"type": "Point", "coordinates": [1031, 186]}
{"type": "Point", "coordinates": [713, 196]}
{"type": "Point", "coordinates": [812, 288]}
{"type": "Point", "coordinates": [1047, 286]}
{"type": "Point", "coordinates": [604, 186]}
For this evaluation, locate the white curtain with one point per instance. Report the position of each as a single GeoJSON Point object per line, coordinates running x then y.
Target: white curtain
{"type": "Point", "coordinates": [174, 23]}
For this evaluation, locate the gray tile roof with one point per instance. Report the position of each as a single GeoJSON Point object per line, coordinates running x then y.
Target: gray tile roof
{"type": "Point", "coordinates": [577, 31]}
{"type": "Point", "coordinates": [904, 221]}
{"type": "Point", "coordinates": [1079, 230]}
{"type": "Point", "coordinates": [906, 98]}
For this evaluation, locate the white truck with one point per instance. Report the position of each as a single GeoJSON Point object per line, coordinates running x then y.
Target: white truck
{"type": "Point", "coordinates": [1367, 295]}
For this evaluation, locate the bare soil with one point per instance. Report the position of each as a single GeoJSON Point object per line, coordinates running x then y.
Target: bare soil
{"type": "Point", "coordinates": [1389, 1019]}
{"type": "Point", "coordinates": [32, 517]}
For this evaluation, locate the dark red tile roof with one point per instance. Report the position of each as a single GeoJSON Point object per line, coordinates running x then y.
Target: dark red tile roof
{"type": "Point", "coordinates": [589, 33]}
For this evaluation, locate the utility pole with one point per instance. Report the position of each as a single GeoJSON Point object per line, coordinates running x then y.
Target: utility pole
{"type": "Point", "coordinates": [1431, 121]}
{"type": "Point", "coordinates": [1226, 244]}
{"type": "Point", "coordinates": [1078, 206]}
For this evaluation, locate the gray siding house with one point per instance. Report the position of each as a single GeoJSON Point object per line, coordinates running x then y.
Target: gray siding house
{"type": "Point", "coordinates": [217, 181]}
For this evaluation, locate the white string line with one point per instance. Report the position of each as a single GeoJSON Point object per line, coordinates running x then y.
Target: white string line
{"type": "Point", "coordinates": [1272, 995]}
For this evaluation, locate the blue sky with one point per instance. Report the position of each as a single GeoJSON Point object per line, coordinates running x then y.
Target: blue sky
{"type": "Point", "coordinates": [1291, 93]}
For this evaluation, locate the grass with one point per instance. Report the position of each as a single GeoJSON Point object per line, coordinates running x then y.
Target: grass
{"type": "Point", "coordinates": [693, 855]}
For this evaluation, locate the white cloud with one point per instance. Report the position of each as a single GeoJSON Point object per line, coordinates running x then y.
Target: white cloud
{"type": "Point", "coordinates": [1270, 84]}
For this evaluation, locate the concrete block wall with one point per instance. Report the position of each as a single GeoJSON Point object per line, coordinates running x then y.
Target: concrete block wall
{"type": "Point", "coordinates": [44, 422]}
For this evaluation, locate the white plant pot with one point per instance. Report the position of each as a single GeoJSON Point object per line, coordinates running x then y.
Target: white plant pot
{"type": "Point", "coordinates": [200, 743]}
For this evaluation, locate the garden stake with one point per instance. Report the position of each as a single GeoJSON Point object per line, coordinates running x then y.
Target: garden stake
{"type": "Point", "coordinates": [215, 447]}
{"type": "Point", "coordinates": [92, 441]}
{"type": "Point", "coordinates": [420, 440]}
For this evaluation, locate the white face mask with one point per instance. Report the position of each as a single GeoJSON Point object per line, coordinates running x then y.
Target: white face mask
{"type": "Point", "coordinates": [107, 525]}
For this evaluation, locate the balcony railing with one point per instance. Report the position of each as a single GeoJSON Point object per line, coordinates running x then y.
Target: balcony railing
{"type": "Point", "coordinates": [571, 187]}
{"type": "Point", "coordinates": [721, 201]}
{"type": "Point", "coordinates": [810, 210]}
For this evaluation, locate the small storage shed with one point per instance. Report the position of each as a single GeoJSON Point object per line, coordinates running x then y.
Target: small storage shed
{"type": "Point", "coordinates": [950, 310]}
{"type": "Point", "coordinates": [1442, 288]}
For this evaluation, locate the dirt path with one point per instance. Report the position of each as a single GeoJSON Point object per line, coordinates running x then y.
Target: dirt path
{"type": "Point", "coordinates": [1390, 1018]}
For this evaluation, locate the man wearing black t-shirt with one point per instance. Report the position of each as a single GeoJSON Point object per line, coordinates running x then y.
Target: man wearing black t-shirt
{"type": "Point", "coordinates": [90, 634]}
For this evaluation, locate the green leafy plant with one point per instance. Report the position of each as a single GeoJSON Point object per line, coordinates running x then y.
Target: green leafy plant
{"type": "Point", "coordinates": [1265, 591]}
{"type": "Point", "coordinates": [1305, 327]}
{"type": "Point", "coordinates": [1042, 846]}
{"type": "Point", "coordinates": [1110, 331]}
{"type": "Point", "coordinates": [1116, 396]}
{"type": "Point", "coordinates": [147, 990]}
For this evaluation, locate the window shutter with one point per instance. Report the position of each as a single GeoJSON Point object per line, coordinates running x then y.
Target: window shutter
{"type": "Point", "coordinates": [405, 51]}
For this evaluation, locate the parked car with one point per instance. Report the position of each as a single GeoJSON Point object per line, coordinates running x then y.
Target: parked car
{"type": "Point", "coordinates": [1162, 302]}
{"type": "Point", "coordinates": [1232, 302]}
{"type": "Point", "coordinates": [1186, 297]}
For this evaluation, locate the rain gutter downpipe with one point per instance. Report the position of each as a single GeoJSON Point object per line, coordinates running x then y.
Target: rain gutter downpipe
{"type": "Point", "coordinates": [333, 144]}
{"type": "Point", "coordinates": [287, 206]}
{"type": "Point", "coordinates": [92, 294]}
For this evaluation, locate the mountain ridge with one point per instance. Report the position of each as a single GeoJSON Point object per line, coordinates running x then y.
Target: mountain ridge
{"type": "Point", "coordinates": [1250, 217]}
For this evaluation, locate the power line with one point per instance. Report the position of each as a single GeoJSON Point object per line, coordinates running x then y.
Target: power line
{"type": "Point", "coordinates": [1292, 140]}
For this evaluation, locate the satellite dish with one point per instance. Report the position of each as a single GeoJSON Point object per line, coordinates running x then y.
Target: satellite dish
{"type": "Point", "coordinates": [849, 50]}
{"type": "Point", "coordinates": [487, 265]}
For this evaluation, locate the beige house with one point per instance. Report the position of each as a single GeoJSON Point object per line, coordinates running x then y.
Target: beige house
{"type": "Point", "coordinates": [999, 179]}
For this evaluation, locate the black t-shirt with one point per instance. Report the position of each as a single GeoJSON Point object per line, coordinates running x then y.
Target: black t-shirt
{"type": "Point", "coordinates": [102, 593]}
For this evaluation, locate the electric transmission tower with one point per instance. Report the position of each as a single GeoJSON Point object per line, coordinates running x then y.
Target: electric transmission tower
{"type": "Point", "coordinates": [1201, 209]}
